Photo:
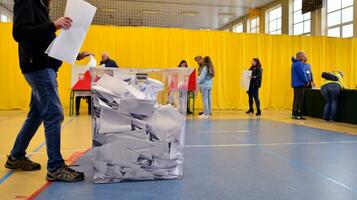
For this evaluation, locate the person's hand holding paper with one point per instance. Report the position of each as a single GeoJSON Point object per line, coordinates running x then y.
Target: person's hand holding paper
{"type": "Point", "coordinates": [79, 15]}
{"type": "Point", "coordinates": [63, 22]}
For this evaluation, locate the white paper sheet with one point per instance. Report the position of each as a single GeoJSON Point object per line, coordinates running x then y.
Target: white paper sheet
{"type": "Point", "coordinates": [115, 85]}
{"type": "Point", "coordinates": [171, 129]}
{"type": "Point", "coordinates": [135, 92]}
{"type": "Point", "coordinates": [246, 79]}
{"type": "Point", "coordinates": [137, 106]}
{"type": "Point", "coordinates": [92, 62]}
{"type": "Point", "coordinates": [112, 121]}
{"type": "Point", "coordinates": [68, 43]}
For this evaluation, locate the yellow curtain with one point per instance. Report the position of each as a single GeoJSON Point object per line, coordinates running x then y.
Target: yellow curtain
{"type": "Point", "coordinates": [166, 47]}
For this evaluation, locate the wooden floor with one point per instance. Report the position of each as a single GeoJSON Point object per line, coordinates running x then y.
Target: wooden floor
{"type": "Point", "coordinates": [76, 139]}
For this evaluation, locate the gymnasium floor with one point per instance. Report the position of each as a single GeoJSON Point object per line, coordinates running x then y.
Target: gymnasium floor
{"type": "Point", "coordinates": [233, 156]}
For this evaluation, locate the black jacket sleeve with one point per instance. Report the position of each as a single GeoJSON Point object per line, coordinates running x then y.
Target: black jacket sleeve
{"type": "Point", "coordinates": [25, 28]}
{"type": "Point", "coordinates": [111, 63]}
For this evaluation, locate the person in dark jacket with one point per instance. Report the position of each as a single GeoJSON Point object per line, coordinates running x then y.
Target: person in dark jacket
{"type": "Point", "coordinates": [298, 81]}
{"type": "Point", "coordinates": [34, 32]}
{"type": "Point", "coordinates": [255, 84]}
{"type": "Point", "coordinates": [107, 61]}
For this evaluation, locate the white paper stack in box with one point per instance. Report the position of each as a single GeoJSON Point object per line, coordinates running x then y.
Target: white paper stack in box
{"type": "Point", "coordinates": [137, 135]}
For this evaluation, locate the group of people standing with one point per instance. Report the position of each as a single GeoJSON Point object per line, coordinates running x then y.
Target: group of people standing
{"type": "Point", "coordinates": [302, 78]}
{"type": "Point", "coordinates": [206, 74]}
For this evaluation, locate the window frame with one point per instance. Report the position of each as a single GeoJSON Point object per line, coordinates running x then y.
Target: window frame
{"type": "Point", "coordinates": [3, 15]}
{"type": "Point", "coordinates": [303, 22]}
{"type": "Point", "coordinates": [341, 25]}
{"type": "Point", "coordinates": [268, 21]}
{"type": "Point", "coordinates": [257, 25]}
{"type": "Point", "coordinates": [238, 25]}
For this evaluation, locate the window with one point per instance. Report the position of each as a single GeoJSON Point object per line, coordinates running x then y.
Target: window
{"type": "Point", "coordinates": [3, 18]}
{"type": "Point", "coordinates": [253, 25]}
{"type": "Point", "coordinates": [302, 22]}
{"type": "Point", "coordinates": [340, 18]}
{"type": "Point", "coordinates": [274, 21]}
{"type": "Point", "coordinates": [238, 28]}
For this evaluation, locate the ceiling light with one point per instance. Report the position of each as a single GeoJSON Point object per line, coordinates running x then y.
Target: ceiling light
{"type": "Point", "coordinates": [226, 14]}
{"type": "Point", "coordinates": [189, 14]}
{"type": "Point", "coordinates": [152, 12]}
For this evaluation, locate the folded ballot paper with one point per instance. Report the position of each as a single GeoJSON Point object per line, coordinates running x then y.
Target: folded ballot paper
{"type": "Point", "coordinates": [137, 135]}
{"type": "Point", "coordinates": [68, 43]}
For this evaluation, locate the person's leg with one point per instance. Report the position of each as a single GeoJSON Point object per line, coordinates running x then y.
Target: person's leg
{"type": "Point", "coordinates": [89, 101]}
{"type": "Point", "coordinates": [257, 101]}
{"type": "Point", "coordinates": [295, 101]}
{"type": "Point", "coordinates": [250, 96]}
{"type": "Point", "coordinates": [210, 101]}
{"type": "Point", "coordinates": [334, 94]}
{"type": "Point", "coordinates": [28, 130]}
{"type": "Point", "coordinates": [205, 101]}
{"type": "Point", "coordinates": [78, 104]}
{"type": "Point", "coordinates": [326, 95]}
{"type": "Point", "coordinates": [48, 103]}
{"type": "Point", "coordinates": [17, 158]}
{"type": "Point", "coordinates": [300, 101]}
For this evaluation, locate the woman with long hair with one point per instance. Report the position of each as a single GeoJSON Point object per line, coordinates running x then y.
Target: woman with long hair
{"type": "Point", "coordinates": [205, 83]}
{"type": "Point", "coordinates": [183, 63]}
{"type": "Point", "coordinates": [255, 84]}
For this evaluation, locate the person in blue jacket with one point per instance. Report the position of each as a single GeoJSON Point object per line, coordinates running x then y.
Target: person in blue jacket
{"type": "Point", "coordinates": [299, 81]}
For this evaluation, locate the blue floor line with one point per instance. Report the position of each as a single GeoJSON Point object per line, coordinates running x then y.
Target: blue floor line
{"type": "Point", "coordinates": [8, 174]}
{"type": "Point", "coordinates": [308, 170]}
{"type": "Point", "coordinates": [303, 168]}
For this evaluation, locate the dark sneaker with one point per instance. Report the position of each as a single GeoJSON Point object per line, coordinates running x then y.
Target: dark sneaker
{"type": "Point", "coordinates": [23, 163]}
{"type": "Point", "coordinates": [65, 174]}
{"type": "Point", "coordinates": [298, 117]}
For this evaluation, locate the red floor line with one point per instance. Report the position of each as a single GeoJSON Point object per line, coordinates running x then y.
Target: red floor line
{"type": "Point", "coordinates": [71, 160]}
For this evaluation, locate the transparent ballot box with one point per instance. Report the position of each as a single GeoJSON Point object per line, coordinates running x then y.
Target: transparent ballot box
{"type": "Point", "coordinates": [138, 123]}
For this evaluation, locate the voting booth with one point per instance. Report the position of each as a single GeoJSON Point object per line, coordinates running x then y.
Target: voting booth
{"type": "Point", "coordinates": [138, 123]}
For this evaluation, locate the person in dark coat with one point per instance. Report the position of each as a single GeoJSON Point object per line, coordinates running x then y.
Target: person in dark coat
{"type": "Point", "coordinates": [255, 84]}
{"type": "Point", "coordinates": [107, 61]}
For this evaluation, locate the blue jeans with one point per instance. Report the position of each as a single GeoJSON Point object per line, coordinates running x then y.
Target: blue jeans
{"type": "Point", "coordinates": [45, 107]}
{"type": "Point", "coordinates": [207, 100]}
{"type": "Point", "coordinates": [330, 92]}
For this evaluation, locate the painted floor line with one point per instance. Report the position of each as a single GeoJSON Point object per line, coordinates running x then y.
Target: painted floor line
{"type": "Point", "coordinates": [44, 152]}
{"type": "Point", "coordinates": [301, 167]}
{"type": "Point", "coordinates": [9, 173]}
{"type": "Point", "coordinates": [270, 144]}
{"type": "Point", "coordinates": [71, 160]}
{"type": "Point", "coordinates": [314, 125]}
